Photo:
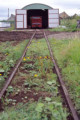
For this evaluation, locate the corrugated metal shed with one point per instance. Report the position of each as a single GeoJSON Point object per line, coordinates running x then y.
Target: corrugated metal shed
{"type": "Point", "coordinates": [36, 6]}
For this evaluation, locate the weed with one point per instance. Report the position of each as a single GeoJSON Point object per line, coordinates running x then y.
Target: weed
{"type": "Point", "coordinates": [12, 54]}
{"type": "Point", "coordinates": [67, 54]}
{"type": "Point", "coordinates": [37, 89]}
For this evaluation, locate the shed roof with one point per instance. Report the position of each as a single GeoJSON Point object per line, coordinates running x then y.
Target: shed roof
{"type": "Point", "coordinates": [36, 6]}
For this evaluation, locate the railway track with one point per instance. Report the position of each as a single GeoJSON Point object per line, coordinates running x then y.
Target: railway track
{"type": "Point", "coordinates": [37, 34]}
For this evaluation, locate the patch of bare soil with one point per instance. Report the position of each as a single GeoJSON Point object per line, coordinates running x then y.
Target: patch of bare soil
{"type": "Point", "coordinates": [22, 35]}
{"type": "Point", "coordinates": [29, 95]}
{"type": "Point", "coordinates": [65, 35]}
{"type": "Point", "coordinates": [14, 35]}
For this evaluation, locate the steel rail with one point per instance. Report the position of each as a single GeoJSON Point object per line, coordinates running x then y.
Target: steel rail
{"type": "Point", "coordinates": [65, 91]}
{"type": "Point", "coordinates": [8, 81]}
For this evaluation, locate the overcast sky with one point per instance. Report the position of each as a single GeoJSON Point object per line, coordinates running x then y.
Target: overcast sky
{"type": "Point", "coordinates": [69, 6]}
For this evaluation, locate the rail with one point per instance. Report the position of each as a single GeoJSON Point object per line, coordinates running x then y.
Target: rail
{"type": "Point", "coordinates": [65, 91]}
{"type": "Point", "coordinates": [8, 81]}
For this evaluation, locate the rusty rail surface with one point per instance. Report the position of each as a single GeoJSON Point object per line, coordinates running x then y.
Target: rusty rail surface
{"type": "Point", "coordinates": [65, 91]}
{"type": "Point", "coordinates": [8, 81]}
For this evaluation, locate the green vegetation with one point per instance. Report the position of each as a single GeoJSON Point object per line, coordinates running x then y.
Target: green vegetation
{"type": "Point", "coordinates": [60, 29]}
{"type": "Point", "coordinates": [67, 54]}
{"type": "Point", "coordinates": [36, 95]}
{"type": "Point", "coordinates": [35, 111]}
{"type": "Point", "coordinates": [9, 54]}
{"type": "Point", "coordinates": [69, 23]}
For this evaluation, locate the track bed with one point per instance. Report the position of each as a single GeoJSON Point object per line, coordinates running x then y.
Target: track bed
{"type": "Point", "coordinates": [35, 91]}
{"type": "Point", "coordinates": [35, 84]}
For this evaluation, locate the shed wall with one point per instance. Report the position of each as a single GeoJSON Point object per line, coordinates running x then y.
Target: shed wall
{"type": "Point", "coordinates": [53, 18]}
{"type": "Point", "coordinates": [21, 19]}
{"type": "Point", "coordinates": [22, 15]}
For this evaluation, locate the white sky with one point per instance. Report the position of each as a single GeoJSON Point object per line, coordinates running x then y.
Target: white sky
{"type": "Point", "coordinates": [69, 6]}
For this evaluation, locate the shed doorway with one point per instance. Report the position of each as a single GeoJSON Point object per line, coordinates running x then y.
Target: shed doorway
{"type": "Point", "coordinates": [37, 18]}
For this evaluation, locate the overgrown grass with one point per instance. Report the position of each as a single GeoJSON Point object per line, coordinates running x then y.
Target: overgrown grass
{"type": "Point", "coordinates": [35, 111]}
{"type": "Point", "coordinates": [42, 82]}
{"type": "Point", "coordinates": [70, 24]}
{"type": "Point", "coordinates": [9, 55]}
{"type": "Point", "coordinates": [60, 29]}
{"type": "Point", "coordinates": [67, 54]}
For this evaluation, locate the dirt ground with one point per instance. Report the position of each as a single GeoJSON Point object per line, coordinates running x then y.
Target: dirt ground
{"type": "Point", "coordinates": [14, 35]}
{"type": "Point", "coordinates": [22, 35]}
{"type": "Point", "coordinates": [65, 35]}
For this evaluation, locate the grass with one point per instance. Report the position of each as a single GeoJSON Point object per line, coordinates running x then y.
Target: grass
{"type": "Point", "coordinates": [60, 29]}
{"type": "Point", "coordinates": [69, 22]}
{"type": "Point", "coordinates": [71, 26]}
{"type": "Point", "coordinates": [9, 56]}
{"type": "Point", "coordinates": [42, 111]}
{"type": "Point", "coordinates": [67, 54]}
{"type": "Point", "coordinates": [37, 88]}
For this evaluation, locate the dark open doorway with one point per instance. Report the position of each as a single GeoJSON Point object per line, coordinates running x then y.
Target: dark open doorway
{"type": "Point", "coordinates": [41, 13]}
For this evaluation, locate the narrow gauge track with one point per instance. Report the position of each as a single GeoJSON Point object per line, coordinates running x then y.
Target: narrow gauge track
{"type": "Point", "coordinates": [63, 87]}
